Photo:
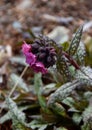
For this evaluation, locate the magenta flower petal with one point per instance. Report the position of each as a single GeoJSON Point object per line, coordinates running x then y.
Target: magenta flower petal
{"type": "Point", "coordinates": [39, 67]}
{"type": "Point", "coordinates": [30, 58]}
{"type": "Point", "coordinates": [26, 48]}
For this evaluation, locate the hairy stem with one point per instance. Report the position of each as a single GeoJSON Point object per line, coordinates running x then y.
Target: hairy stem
{"type": "Point", "coordinates": [15, 86]}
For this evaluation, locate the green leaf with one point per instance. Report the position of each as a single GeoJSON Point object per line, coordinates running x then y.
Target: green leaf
{"type": "Point", "coordinates": [69, 101]}
{"type": "Point", "coordinates": [61, 128]}
{"type": "Point", "coordinates": [77, 118]}
{"type": "Point", "coordinates": [80, 54]}
{"type": "Point", "coordinates": [87, 117]}
{"type": "Point", "coordinates": [75, 41]}
{"type": "Point", "coordinates": [38, 86]}
{"type": "Point", "coordinates": [87, 95]}
{"type": "Point", "coordinates": [48, 88]}
{"type": "Point", "coordinates": [62, 67]}
{"type": "Point", "coordinates": [18, 117]}
{"type": "Point", "coordinates": [37, 83]}
{"type": "Point", "coordinates": [38, 125]}
{"type": "Point", "coordinates": [18, 60]}
{"type": "Point", "coordinates": [65, 46]}
{"type": "Point", "coordinates": [60, 94]}
{"type": "Point", "coordinates": [21, 84]}
{"type": "Point", "coordinates": [5, 118]}
{"type": "Point", "coordinates": [85, 77]}
{"type": "Point", "coordinates": [86, 127]}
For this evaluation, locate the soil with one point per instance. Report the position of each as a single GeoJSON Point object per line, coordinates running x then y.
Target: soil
{"type": "Point", "coordinates": [32, 15]}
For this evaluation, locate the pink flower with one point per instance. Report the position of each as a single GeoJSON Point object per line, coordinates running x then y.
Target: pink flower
{"type": "Point", "coordinates": [31, 59]}
{"type": "Point", "coordinates": [39, 67]}
{"type": "Point", "coordinates": [26, 48]}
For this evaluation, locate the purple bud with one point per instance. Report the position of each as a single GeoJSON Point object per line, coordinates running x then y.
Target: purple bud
{"type": "Point", "coordinates": [40, 55]}
{"type": "Point", "coordinates": [49, 59]}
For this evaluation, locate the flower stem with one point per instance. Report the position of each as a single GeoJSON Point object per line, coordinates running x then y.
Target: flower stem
{"type": "Point", "coordinates": [13, 89]}
{"type": "Point", "coordinates": [15, 86]}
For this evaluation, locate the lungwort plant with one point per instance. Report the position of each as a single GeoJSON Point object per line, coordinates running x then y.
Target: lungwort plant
{"type": "Point", "coordinates": [64, 101]}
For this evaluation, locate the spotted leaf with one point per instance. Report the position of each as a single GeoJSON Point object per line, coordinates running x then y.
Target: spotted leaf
{"type": "Point", "coordinates": [75, 41]}
{"type": "Point", "coordinates": [63, 68]}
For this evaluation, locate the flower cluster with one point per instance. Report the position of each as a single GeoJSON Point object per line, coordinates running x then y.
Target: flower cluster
{"type": "Point", "coordinates": [40, 55]}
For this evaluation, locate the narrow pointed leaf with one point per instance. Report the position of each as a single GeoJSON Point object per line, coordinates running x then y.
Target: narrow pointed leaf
{"type": "Point", "coordinates": [87, 117]}
{"type": "Point", "coordinates": [63, 69]}
{"type": "Point", "coordinates": [75, 41]}
{"type": "Point", "coordinates": [38, 86]}
{"type": "Point", "coordinates": [5, 118]}
{"type": "Point", "coordinates": [18, 117]}
{"type": "Point", "coordinates": [80, 54]}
